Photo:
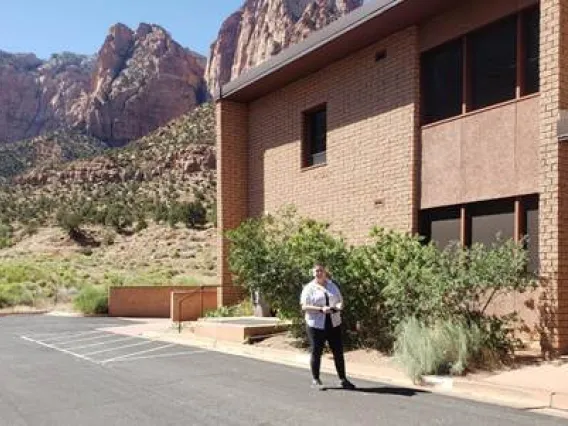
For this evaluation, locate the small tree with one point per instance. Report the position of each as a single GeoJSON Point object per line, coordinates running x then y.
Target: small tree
{"type": "Point", "coordinates": [71, 222]}
{"type": "Point", "coordinates": [195, 214]}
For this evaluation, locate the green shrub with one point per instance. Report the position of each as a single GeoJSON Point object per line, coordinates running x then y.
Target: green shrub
{"type": "Point", "coordinates": [384, 283]}
{"type": "Point", "coordinates": [195, 214]}
{"type": "Point", "coordinates": [243, 309]}
{"type": "Point", "coordinates": [442, 348]}
{"type": "Point", "coordinates": [6, 232]}
{"type": "Point", "coordinates": [92, 300]}
{"type": "Point", "coordinates": [70, 221]}
{"type": "Point", "coordinates": [17, 294]}
{"type": "Point", "coordinates": [118, 216]}
{"type": "Point", "coordinates": [141, 223]}
{"type": "Point", "coordinates": [275, 254]}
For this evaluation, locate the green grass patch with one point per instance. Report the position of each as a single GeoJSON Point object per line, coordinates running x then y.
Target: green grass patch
{"type": "Point", "coordinates": [92, 300]}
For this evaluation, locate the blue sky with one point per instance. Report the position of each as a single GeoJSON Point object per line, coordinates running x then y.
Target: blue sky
{"type": "Point", "coordinates": [44, 27]}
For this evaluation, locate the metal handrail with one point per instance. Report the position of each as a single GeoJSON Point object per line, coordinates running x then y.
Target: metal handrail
{"type": "Point", "coordinates": [183, 299]}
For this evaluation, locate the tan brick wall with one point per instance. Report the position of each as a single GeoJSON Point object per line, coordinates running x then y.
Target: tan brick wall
{"type": "Point", "coordinates": [232, 136]}
{"type": "Point", "coordinates": [372, 122]}
{"type": "Point", "coordinates": [371, 176]}
{"type": "Point", "coordinates": [554, 173]}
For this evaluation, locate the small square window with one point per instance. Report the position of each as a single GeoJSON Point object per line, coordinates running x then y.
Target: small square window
{"type": "Point", "coordinates": [315, 136]}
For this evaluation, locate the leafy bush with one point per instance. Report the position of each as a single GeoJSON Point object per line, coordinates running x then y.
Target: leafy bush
{"type": "Point", "coordinates": [196, 214]}
{"type": "Point", "coordinates": [384, 283]}
{"type": "Point", "coordinates": [274, 254]}
{"type": "Point", "coordinates": [70, 221]}
{"type": "Point", "coordinates": [92, 300]}
{"type": "Point", "coordinates": [191, 214]}
{"type": "Point", "coordinates": [118, 216]}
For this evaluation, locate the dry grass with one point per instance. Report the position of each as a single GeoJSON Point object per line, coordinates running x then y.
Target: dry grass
{"type": "Point", "coordinates": [158, 255]}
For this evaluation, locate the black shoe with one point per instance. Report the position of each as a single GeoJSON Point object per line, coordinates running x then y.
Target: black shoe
{"type": "Point", "coordinates": [346, 384]}
{"type": "Point", "coordinates": [317, 384]}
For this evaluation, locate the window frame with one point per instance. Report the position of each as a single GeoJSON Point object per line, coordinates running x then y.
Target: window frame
{"type": "Point", "coordinates": [522, 58]}
{"type": "Point", "coordinates": [308, 138]}
{"type": "Point", "coordinates": [521, 205]}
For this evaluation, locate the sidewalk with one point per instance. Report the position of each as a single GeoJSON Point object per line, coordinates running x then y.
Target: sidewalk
{"type": "Point", "coordinates": [530, 388]}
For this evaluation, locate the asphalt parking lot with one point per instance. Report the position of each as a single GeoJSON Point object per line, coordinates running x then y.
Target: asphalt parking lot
{"type": "Point", "coordinates": [70, 371]}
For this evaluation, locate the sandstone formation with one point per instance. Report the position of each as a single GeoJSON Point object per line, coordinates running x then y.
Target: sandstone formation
{"type": "Point", "coordinates": [39, 96]}
{"type": "Point", "coordinates": [262, 28]}
{"type": "Point", "coordinates": [137, 82]}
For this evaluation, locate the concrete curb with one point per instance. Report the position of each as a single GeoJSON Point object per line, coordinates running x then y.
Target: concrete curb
{"type": "Point", "coordinates": [9, 314]}
{"type": "Point", "coordinates": [517, 397]}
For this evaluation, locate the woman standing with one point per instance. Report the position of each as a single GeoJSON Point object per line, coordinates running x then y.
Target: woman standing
{"type": "Point", "coordinates": [322, 302]}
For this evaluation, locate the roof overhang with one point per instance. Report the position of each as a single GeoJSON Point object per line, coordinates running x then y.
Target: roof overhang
{"type": "Point", "coordinates": [362, 27]}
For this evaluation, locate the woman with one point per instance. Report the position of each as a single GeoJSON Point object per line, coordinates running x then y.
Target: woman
{"type": "Point", "coordinates": [322, 302]}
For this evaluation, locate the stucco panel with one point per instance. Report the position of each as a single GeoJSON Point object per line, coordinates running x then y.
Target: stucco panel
{"type": "Point", "coordinates": [484, 155]}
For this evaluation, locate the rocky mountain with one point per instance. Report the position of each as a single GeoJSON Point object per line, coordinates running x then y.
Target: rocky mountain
{"type": "Point", "coordinates": [40, 96]}
{"type": "Point", "coordinates": [180, 150]}
{"type": "Point", "coordinates": [152, 179]}
{"type": "Point", "coordinates": [262, 28]}
{"type": "Point", "coordinates": [138, 81]}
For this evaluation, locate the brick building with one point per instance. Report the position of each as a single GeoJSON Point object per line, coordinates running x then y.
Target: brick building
{"type": "Point", "coordinates": [438, 117]}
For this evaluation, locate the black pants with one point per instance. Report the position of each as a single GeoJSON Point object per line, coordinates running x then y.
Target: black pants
{"type": "Point", "coordinates": [317, 339]}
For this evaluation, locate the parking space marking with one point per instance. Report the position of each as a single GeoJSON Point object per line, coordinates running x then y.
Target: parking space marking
{"type": "Point", "coordinates": [156, 356]}
{"type": "Point", "coordinates": [47, 345]}
{"type": "Point", "coordinates": [67, 345]}
{"type": "Point", "coordinates": [138, 353]}
{"type": "Point", "coordinates": [86, 339]}
{"type": "Point", "coordinates": [119, 347]}
{"type": "Point", "coordinates": [67, 336]}
{"type": "Point", "coordinates": [90, 345]}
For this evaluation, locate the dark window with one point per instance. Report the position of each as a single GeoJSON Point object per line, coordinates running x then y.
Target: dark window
{"type": "Point", "coordinates": [531, 220]}
{"type": "Point", "coordinates": [493, 59]}
{"type": "Point", "coordinates": [490, 220]}
{"type": "Point", "coordinates": [531, 50]}
{"type": "Point", "coordinates": [442, 82]}
{"type": "Point", "coordinates": [498, 58]}
{"type": "Point", "coordinates": [315, 134]}
{"type": "Point", "coordinates": [484, 222]}
{"type": "Point", "coordinates": [442, 226]}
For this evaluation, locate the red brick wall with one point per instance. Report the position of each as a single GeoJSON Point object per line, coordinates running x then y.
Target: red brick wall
{"type": "Point", "coordinates": [232, 136]}
{"type": "Point", "coordinates": [142, 302]}
{"type": "Point", "coordinates": [372, 124]}
{"type": "Point", "coordinates": [189, 305]}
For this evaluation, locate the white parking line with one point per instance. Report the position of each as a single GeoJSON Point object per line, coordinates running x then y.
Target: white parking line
{"type": "Point", "coordinates": [154, 356]}
{"type": "Point", "coordinates": [120, 347]}
{"type": "Point", "coordinates": [60, 337]}
{"type": "Point", "coordinates": [95, 328]}
{"type": "Point", "coordinates": [106, 342]}
{"type": "Point", "coordinates": [138, 353]}
{"type": "Point", "coordinates": [86, 339]}
{"type": "Point", "coordinates": [143, 354]}
{"type": "Point", "coordinates": [47, 345]}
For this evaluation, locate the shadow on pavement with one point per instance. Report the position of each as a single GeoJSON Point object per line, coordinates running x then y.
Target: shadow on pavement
{"type": "Point", "coordinates": [390, 390]}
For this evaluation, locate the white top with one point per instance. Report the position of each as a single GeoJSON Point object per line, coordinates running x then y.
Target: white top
{"type": "Point", "coordinates": [314, 294]}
